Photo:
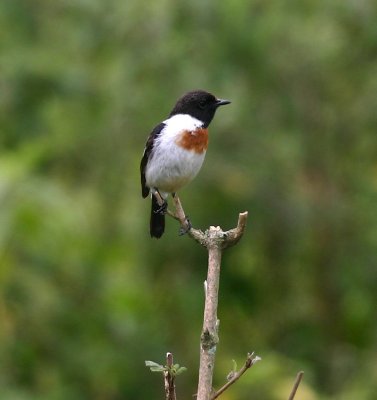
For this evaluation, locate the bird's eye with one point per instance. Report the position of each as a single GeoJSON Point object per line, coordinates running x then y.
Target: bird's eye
{"type": "Point", "coordinates": [202, 104]}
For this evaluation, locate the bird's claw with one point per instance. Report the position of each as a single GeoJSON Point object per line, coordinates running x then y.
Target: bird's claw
{"type": "Point", "coordinates": [185, 228]}
{"type": "Point", "coordinates": [162, 209]}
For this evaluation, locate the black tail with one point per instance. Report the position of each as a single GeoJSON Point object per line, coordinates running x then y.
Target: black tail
{"type": "Point", "coordinates": [157, 224]}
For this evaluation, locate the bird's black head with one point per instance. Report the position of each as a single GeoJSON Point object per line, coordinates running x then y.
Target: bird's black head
{"type": "Point", "coordinates": [199, 104]}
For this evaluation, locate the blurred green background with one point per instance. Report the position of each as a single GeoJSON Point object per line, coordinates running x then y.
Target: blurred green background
{"type": "Point", "coordinates": [86, 296]}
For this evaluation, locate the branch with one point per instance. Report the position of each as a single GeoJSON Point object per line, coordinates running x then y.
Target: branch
{"type": "Point", "coordinates": [170, 371]}
{"type": "Point", "coordinates": [250, 361]}
{"type": "Point", "coordinates": [225, 239]}
{"type": "Point", "coordinates": [209, 337]}
{"type": "Point", "coordinates": [215, 240]}
{"type": "Point", "coordinates": [235, 234]}
{"type": "Point", "coordinates": [296, 384]}
{"type": "Point", "coordinates": [169, 378]}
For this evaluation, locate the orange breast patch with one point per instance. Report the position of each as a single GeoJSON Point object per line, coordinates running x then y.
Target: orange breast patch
{"type": "Point", "coordinates": [196, 141]}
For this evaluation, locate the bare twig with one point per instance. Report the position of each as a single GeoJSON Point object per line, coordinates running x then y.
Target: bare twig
{"type": "Point", "coordinates": [250, 361]}
{"type": "Point", "coordinates": [169, 378]}
{"type": "Point", "coordinates": [234, 235]}
{"type": "Point", "coordinates": [296, 384]}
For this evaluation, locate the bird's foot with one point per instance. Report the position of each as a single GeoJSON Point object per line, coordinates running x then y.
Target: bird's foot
{"type": "Point", "coordinates": [186, 227]}
{"type": "Point", "coordinates": [162, 209]}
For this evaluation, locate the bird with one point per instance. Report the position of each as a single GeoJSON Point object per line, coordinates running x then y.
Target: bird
{"type": "Point", "coordinates": [175, 151]}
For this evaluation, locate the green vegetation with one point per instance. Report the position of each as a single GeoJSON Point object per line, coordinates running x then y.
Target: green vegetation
{"type": "Point", "coordinates": [86, 296]}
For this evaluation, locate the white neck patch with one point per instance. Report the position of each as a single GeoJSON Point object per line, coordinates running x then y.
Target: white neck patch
{"type": "Point", "coordinates": [180, 122]}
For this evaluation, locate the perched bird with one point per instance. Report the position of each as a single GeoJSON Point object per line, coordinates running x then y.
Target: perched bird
{"type": "Point", "coordinates": [175, 151]}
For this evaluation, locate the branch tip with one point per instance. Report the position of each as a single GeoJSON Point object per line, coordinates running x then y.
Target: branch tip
{"type": "Point", "coordinates": [296, 385]}
{"type": "Point", "coordinates": [234, 375]}
{"type": "Point", "coordinates": [169, 359]}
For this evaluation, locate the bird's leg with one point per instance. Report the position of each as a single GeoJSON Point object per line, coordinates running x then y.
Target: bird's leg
{"type": "Point", "coordinates": [161, 202]}
{"type": "Point", "coordinates": [181, 216]}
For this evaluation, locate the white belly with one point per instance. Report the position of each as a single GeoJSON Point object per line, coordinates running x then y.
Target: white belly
{"type": "Point", "coordinates": [172, 167]}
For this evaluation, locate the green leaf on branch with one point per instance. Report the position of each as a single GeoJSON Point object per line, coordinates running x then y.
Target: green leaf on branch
{"type": "Point", "coordinates": [180, 370]}
{"type": "Point", "coordinates": [154, 367]}
{"type": "Point", "coordinates": [173, 370]}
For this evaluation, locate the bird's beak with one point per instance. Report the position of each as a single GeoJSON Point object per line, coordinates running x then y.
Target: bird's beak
{"type": "Point", "coordinates": [222, 102]}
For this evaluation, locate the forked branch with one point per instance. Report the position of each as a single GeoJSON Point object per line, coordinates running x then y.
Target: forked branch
{"type": "Point", "coordinates": [215, 240]}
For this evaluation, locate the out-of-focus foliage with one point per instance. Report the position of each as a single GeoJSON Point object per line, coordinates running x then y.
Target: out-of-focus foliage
{"type": "Point", "coordinates": [86, 296]}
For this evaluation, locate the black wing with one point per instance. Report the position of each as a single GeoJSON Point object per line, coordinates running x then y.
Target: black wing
{"type": "Point", "coordinates": [147, 151]}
